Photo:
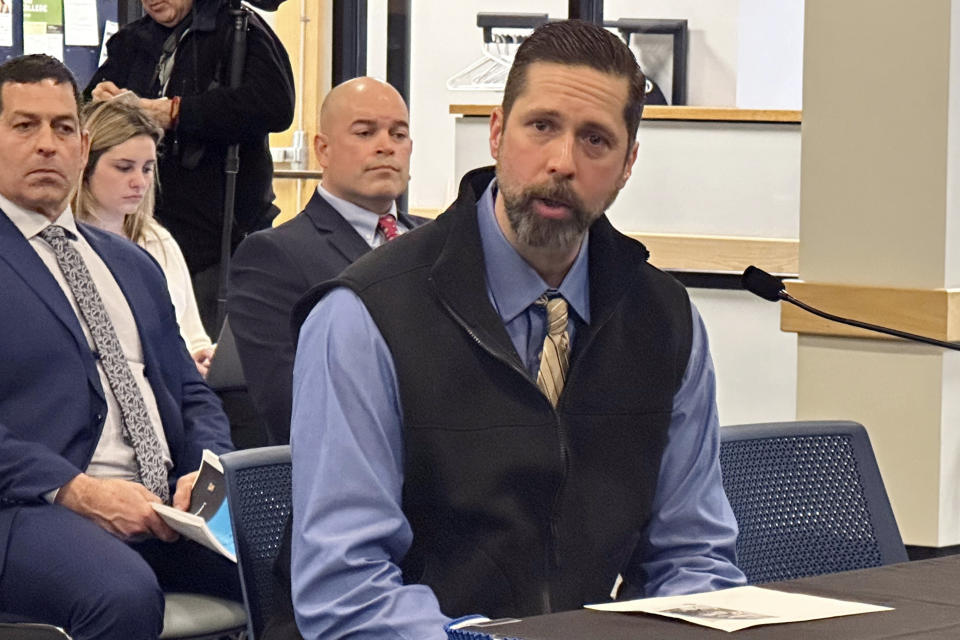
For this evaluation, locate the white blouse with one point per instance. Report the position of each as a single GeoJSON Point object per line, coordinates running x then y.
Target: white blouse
{"type": "Point", "coordinates": [161, 245]}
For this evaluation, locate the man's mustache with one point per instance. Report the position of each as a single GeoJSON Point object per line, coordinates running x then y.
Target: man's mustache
{"type": "Point", "coordinates": [556, 192]}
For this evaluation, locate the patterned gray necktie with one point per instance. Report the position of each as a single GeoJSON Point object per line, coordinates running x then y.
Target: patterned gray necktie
{"type": "Point", "coordinates": [137, 430]}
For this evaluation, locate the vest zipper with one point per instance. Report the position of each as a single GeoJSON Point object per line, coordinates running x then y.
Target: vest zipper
{"type": "Point", "coordinates": [513, 365]}
{"type": "Point", "coordinates": [552, 553]}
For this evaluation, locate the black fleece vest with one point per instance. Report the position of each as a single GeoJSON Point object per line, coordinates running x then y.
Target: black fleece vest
{"type": "Point", "coordinates": [516, 508]}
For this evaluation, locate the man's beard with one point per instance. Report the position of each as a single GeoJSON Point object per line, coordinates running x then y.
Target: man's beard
{"type": "Point", "coordinates": [534, 230]}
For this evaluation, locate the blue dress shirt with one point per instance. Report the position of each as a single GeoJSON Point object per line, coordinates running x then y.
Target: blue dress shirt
{"type": "Point", "coordinates": [350, 533]}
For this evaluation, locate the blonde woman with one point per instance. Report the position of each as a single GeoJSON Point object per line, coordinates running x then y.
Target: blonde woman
{"type": "Point", "coordinates": [117, 194]}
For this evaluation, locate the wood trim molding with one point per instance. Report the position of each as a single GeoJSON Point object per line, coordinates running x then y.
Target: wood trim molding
{"type": "Point", "coordinates": [475, 110]}
{"type": "Point", "coordinates": [720, 254]}
{"type": "Point", "coordinates": [684, 113]}
{"type": "Point", "coordinates": [928, 312]}
{"type": "Point", "coordinates": [721, 114]}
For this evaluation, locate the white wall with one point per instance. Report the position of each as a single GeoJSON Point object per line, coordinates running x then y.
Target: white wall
{"type": "Point", "coordinates": [705, 178]}
{"type": "Point", "coordinates": [756, 363]}
{"type": "Point", "coordinates": [770, 68]}
{"type": "Point", "coordinates": [377, 39]}
{"type": "Point", "coordinates": [712, 42]}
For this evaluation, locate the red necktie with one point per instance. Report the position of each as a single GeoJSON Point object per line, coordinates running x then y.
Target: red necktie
{"type": "Point", "coordinates": [388, 226]}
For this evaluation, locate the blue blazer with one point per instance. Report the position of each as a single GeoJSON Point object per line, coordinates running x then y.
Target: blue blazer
{"type": "Point", "coordinates": [52, 407]}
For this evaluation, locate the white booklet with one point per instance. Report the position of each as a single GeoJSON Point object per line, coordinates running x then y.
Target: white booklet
{"type": "Point", "coordinates": [207, 521]}
{"type": "Point", "coordinates": [742, 607]}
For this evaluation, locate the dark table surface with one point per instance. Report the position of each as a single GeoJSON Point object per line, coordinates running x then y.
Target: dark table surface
{"type": "Point", "coordinates": [925, 596]}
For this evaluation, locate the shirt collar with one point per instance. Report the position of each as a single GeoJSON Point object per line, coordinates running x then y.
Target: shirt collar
{"type": "Point", "coordinates": [363, 220]}
{"type": "Point", "coordinates": [515, 285]}
{"type": "Point", "coordinates": [31, 223]}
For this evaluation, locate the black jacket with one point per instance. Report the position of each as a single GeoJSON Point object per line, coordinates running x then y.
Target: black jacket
{"type": "Point", "coordinates": [212, 116]}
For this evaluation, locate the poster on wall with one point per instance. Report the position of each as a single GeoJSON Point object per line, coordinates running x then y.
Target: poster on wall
{"type": "Point", "coordinates": [6, 23]}
{"type": "Point", "coordinates": [80, 23]}
{"type": "Point", "coordinates": [43, 27]}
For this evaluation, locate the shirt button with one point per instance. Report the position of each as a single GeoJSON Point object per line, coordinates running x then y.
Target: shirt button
{"type": "Point", "coordinates": [99, 417]}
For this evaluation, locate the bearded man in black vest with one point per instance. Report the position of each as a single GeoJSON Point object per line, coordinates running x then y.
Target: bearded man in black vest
{"type": "Point", "coordinates": [509, 410]}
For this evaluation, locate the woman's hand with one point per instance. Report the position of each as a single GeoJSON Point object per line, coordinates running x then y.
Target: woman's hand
{"type": "Point", "coordinates": [202, 358]}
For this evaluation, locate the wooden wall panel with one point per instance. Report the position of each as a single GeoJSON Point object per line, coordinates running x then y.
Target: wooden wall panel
{"type": "Point", "coordinates": [312, 85]}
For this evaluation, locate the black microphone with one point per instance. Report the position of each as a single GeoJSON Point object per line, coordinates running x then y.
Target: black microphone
{"type": "Point", "coordinates": [760, 283]}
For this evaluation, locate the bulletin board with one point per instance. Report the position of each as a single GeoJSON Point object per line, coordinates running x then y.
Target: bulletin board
{"type": "Point", "coordinates": [81, 60]}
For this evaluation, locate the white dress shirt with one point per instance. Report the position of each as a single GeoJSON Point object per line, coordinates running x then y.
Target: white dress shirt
{"type": "Point", "coordinates": [113, 458]}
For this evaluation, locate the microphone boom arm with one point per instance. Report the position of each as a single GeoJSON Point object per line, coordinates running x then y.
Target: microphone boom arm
{"type": "Point", "coordinates": [762, 284]}
{"type": "Point", "coordinates": [786, 297]}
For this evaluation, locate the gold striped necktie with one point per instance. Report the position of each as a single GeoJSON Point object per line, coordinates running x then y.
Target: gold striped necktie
{"type": "Point", "coordinates": [555, 358]}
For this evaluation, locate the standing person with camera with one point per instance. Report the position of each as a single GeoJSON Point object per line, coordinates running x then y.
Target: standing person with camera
{"type": "Point", "coordinates": [177, 60]}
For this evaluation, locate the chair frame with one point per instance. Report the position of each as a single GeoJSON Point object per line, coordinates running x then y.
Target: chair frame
{"type": "Point", "coordinates": [31, 631]}
{"type": "Point", "coordinates": [185, 600]}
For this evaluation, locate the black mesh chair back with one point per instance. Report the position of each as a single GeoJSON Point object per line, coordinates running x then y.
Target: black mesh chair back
{"type": "Point", "coordinates": [259, 495]}
{"type": "Point", "coordinates": [808, 498]}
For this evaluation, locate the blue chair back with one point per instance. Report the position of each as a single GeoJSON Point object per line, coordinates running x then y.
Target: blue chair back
{"type": "Point", "coordinates": [808, 498]}
{"type": "Point", "coordinates": [259, 495]}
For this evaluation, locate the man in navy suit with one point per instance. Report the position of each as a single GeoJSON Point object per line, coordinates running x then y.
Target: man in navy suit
{"type": "Point", "coordinates": [364, 150]}
{"type": "Point", "coordinates": [99, 399]}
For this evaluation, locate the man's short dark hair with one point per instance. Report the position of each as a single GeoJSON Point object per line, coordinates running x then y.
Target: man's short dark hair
{"type": "Point", "coordinates": [35, 68]}
{"type": "Point", "coordinates": [575, 42]}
